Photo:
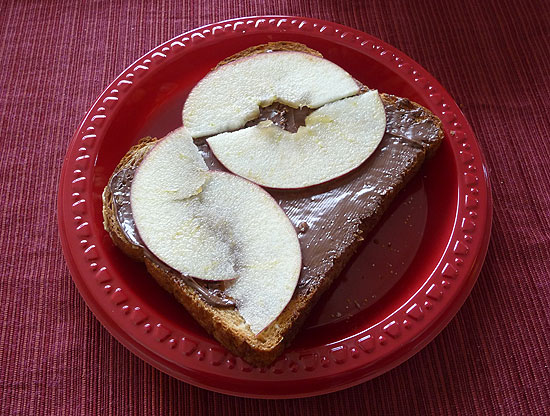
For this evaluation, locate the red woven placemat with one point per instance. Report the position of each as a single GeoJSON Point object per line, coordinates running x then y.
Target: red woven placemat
{"type": "Point", "coordinates": [55, 357]}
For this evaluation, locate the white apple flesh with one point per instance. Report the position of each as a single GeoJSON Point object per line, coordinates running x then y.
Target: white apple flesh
{"type": "Point", "coordinates": [229, 96]}
{"type": "Point", "coordinates": [216, 226]}
{"type": "Point", "coordinates": [336, 139]}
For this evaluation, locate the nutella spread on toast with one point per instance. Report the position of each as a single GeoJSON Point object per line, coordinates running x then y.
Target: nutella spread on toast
{"type": "Point", "coordinates": [284, 116]}
{"type": "Point", "coordinates": [327, 217]}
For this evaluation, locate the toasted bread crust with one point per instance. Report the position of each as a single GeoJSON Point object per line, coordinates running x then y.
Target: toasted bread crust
{"type": "Point", "coordinates": [226, 325]}
{"type": "Point", "coordinates": [270, 47]}
{"type": "Point", "coordinates": [132, 158]}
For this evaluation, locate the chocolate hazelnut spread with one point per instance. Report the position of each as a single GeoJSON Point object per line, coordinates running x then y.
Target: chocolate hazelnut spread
{"type": "Point", "coordinates": [287, 118]}
{"type": "Point", "coordinates": [328, 216]}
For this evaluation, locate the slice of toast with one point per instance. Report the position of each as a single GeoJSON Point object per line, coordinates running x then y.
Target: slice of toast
{"type": "Point", "coordinates": [331, 219]}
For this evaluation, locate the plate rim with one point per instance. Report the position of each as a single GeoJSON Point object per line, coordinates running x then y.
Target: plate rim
{"type": "Point", "coordinates": [279, 24]}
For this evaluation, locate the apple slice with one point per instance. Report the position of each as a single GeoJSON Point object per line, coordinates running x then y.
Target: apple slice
{"type": "Point", "coordinates": [266, 247]}
{"type": "Point", "coordinates": [216, 226]}
{"type": "Point", "coordinates": [230, 95]}
{"type": "Point", "coordinates": [336, 139]}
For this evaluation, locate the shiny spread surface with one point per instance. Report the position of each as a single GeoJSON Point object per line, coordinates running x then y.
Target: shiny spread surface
{"type": "Point", "coordinates": [287, 118]}
{"type": "Point", "coordinates": [328, 217]}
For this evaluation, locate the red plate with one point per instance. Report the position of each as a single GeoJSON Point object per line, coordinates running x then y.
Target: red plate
{"type": "Point", "coordinates": [398, 293]}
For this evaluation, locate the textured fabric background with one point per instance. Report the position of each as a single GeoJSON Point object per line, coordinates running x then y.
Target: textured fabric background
{"type": "Point", "coordinates": [57, 56]}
